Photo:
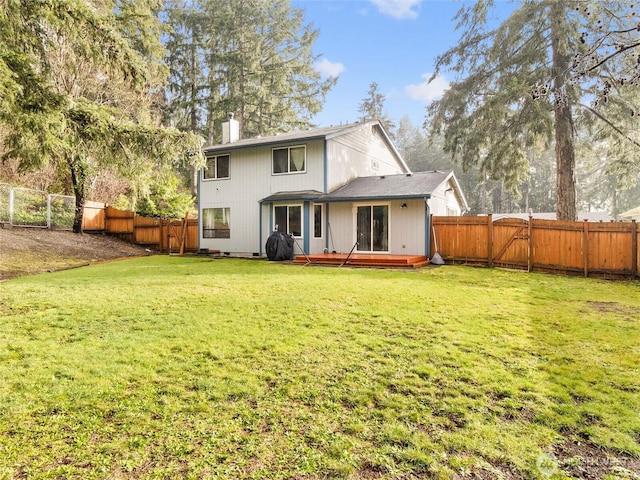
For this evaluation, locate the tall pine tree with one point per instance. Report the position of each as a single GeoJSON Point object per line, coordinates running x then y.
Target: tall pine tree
{"type": "Point", "coordinates": [81, 79]}
{"type": "Point", "coordinates": [516, 89]}
{"type": "Point", "coordinates": [254, 58]}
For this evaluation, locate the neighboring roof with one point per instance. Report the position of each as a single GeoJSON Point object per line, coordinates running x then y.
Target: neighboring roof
{"type": "Point", "coordinates": [588, 216]}
{"type": "Point", "coordinates": [633, 214]}
{"type": "Point", "coordinates": [387, 187]}
{"type": "Point", "coordinates": [325, 133]}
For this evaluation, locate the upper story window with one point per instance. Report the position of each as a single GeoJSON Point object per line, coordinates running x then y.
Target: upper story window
{"type": "Point", "coordinates": [289, 160]}
{"type": "Point", "coordinates": [217, 167]}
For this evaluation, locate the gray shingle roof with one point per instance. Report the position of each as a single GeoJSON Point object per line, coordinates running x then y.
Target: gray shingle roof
{"type": "Point", "coordinates": [387, 187]}
{"type": "Point", "coordinates": [312, 195]}
{"type": "Point", "coordinates": [282, 138]}
{"type": "Point", "coordinates": [416, 185]}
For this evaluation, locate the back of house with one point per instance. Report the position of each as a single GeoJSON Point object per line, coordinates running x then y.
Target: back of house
{"type": "Point", "coordinates": [291, 183]}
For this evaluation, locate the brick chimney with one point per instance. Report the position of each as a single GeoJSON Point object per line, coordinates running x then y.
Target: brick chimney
{"type": "Point", "coordinates": [230, 130]}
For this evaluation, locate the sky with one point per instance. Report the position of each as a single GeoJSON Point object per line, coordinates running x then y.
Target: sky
{"type": "Point", "coordinates": [391, 42]}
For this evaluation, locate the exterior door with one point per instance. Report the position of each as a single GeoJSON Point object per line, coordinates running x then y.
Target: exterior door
{"type": "Point", "coordinates": [372, 228]}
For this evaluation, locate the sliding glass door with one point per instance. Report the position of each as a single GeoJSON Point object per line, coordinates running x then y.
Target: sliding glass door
{"type": "Point", "coordinates": [372, 228]}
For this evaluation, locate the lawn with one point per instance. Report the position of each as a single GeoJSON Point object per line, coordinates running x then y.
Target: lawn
{"type": "Point", "coordinates": [168, 367]}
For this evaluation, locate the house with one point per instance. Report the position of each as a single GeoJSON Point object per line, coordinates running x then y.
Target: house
{"type": "Point", "coordinates": [329, 187]}
{"type": "Point", "coordinates": [631, 215]}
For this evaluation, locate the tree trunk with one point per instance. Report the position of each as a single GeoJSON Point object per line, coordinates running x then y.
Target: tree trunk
{"type": "Point", "coordinates": [565, 153]}
{"type": "Point", "coordinates": [77, 182]}
{"type": "Point", "coordinates": [193, 171]}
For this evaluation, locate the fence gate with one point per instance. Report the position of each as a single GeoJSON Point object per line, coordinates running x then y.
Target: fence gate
{"type": "Point", "coordinates": [511, 240]}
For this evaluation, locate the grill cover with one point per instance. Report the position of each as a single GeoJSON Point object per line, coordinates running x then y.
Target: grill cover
{"type": "Point", "coordinates": [279, 246]}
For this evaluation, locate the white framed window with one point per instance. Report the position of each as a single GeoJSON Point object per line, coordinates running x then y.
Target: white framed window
{"type": "Point", "coordinates": [288, 219]}
{"type": "Point", "coordinates": [289, 160]}
{"type": "Point", "coordinates": [216, 222]}
{"type": "Point", "coordinates": [217, 167]}
{"type": "Point", "coordinates": [318, 220]}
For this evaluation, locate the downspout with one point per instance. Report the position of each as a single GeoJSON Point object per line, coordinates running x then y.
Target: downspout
{"type": "Point", "coordinates": [427, 228]}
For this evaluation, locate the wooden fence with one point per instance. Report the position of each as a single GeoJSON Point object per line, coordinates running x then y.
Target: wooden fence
{"type": "Point", "coordinates": [607, 250]}
{"type": "Point", "coordinates": [172, 236]}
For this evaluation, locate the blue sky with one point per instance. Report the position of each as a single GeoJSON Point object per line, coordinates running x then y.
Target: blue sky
{"type": "Point", "coordinates": [391, 42]}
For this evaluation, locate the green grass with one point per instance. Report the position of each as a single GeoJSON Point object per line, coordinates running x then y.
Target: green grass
{"type": "Point", "coordinates": [166, 367]}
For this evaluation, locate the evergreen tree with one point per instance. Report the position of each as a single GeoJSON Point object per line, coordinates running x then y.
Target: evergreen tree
{"type": "Point", "coordinates": [516, 91]}
{"type": "Point", "coordinates": [79, 82]}
{"type": "Point", "coordinates": [372, 108]}
{"type": "Point", "coordinates": [254, 58]}
{"type": "Point", "coordinates": [188, 87]}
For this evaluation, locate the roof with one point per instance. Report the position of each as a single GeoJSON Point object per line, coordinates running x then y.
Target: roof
{"type": "Point", "coordinates": [322, 133]}
{"type": "Point", "coordinates": [311, 195]}
{"type": "Point", "coordinates": [387, 187]}
{"type": "Point", "coordinates": [295, 136]}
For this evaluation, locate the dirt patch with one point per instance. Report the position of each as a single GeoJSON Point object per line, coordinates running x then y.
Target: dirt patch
{"type": "Point", "coordinates": [586, 461]}
{"type": "Point", "coordinates": [26, 251]}
{"type": "Point", "coordinates": [615, 308]}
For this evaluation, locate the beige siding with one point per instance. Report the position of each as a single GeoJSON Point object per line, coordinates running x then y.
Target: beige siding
{"type": "Point", "coordinates": [361, 153]}
{"type": "Point", "coordinates": [407, 227]}
{"type": "Point", "coordinates": [342, 229]}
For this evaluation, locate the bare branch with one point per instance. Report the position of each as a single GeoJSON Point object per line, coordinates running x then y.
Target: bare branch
{"type": "Point", "coordinates": [608, 122]}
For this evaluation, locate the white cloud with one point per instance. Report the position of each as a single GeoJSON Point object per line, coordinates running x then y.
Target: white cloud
{"type": "Point", "coordinates": [329, 69]}
{"type": "Point", "coordinates": [400, 9]}
{"type": "Point", "coordinates": [426, 90]}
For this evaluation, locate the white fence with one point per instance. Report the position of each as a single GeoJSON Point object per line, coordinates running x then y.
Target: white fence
{"type": "Point", "coordinates": [25, 207]}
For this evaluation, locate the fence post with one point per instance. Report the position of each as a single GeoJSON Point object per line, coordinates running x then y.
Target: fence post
{"type": "Point", "coordinates": [634, 249]}
{"type": "Point", "coordinates": [585, 247]}
{"type": "Point", "coordinates": [529, 252]}
{"type": "Point", "coordinates": [490, 240]}
{"type": "Point", "coordinates": [48, 210]}
{"type": "Point", "coordinates": [10, 205]}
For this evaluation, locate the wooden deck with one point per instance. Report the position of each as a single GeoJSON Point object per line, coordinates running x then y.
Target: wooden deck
{"type": "Point", "coordinates": [363, 260]}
